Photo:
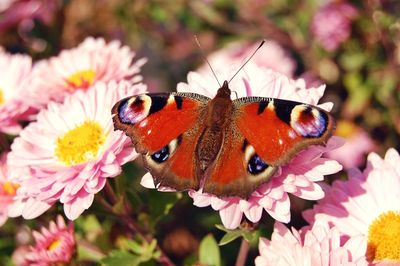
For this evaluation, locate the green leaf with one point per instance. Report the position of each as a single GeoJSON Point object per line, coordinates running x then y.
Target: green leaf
{"type": "Point", "coordinates": [134, 246]}
{"type": "Point", "coordinates": [145, 251]}
{"type": "Point", "coordinates": [230, 234]}
{"type": "Point", "coordinates": [120, 258]}
{"type": "Point", "coordinates": [229, 237]}
{"type": "Point", "coordinates": [209, 253]}
{"type": "Point", "coordinates": [85, 251]}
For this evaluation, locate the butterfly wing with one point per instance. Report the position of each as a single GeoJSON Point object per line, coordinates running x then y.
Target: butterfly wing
{"type": "Point", "coordinates": [164, 128]}
{"type": "Point", "coordinates": [264, 134]}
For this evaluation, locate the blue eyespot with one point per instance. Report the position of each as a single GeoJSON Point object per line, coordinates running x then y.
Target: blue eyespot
{"type": "Point", "coordinates": [161, 155]}
{"type": "Point", "coordinates": [256, 165]}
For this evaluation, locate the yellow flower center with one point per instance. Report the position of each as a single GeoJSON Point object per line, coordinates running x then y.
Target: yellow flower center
{"type": "Point", "coordinates": [81, 79]}
{"type": "Point", "coordinates": [54, 245]}
{"type": "Point", "coordinates": [10, 188]}
{"type": "Point", "coordinates": [80, 144]}
{"type": "Point", "coordinates": [345, 129]}
{"type": "Point", "coordinates": [2, 100]}
{"type": "Point", "coordinates": [384, 238]}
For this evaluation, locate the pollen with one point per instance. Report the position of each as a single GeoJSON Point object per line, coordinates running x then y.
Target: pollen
{"type": "Point", "coordinates": [53, 245]}
{"type": "Point", "coordinates": [80, 144]}
{"type": "Point", "coordinates": [81, 79]}
{"type": "Point", "coordinates": [2, 100]}
{"type": "Point", "coordinates": [10, 188]}
{"type": "Point", "coordinates": [383, 238]}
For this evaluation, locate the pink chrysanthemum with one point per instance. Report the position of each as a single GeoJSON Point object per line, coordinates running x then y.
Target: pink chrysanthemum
{"type": "Point", "coordinates": [70, 151]}
{"type": "Point", "coordinates": [331, 25]}
{"type": "Point", "coordinates": [271, 55]}
{"type": "Point", "coordinates": [320, 246]}
{"type": "Point", "coordinates": [299, 177]}
{"type": "Point", "coordinates": [367, 205]}
{"type": "Point", "coordinates": [80, 68]}
{"type": "Point", "coordinates": [358, 144]}
{"type": "Point", "coordinates": [53, 246]}
{"type": "Point", "coordinates": [13, 12]}
{"type": "Point", "coordinates": [7, 191]}
{"type": "Point", "coordinates": [15, 71]}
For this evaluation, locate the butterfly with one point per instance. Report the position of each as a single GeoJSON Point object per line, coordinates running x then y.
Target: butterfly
{"type": "Point", "coordinates": [226, 147]}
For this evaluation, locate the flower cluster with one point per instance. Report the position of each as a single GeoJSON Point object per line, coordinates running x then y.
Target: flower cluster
{"type": "Point", "coordinates": [71, 148]}
{"type": "Point", "coordinates": [366, 206]}
{"type": "Point", "coordinates": [356, 223]}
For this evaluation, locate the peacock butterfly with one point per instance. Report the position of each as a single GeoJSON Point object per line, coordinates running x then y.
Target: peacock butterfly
{"type": "Point", "coordinates": [227, 147]}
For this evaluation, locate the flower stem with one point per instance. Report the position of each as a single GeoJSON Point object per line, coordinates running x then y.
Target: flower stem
{"type": "Point", "coordinates": [243, 252]}
{"type": "Point", "coordinates": [110, 193]}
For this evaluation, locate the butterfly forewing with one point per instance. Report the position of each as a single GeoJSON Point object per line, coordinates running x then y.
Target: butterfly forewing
{"type": "Point", "coordinates": [278, 129]}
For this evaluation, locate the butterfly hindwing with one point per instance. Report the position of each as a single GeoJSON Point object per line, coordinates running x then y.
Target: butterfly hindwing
{"type": "Point", "coordinates": [236, 171]}
{"type": "Point", "coordinates": [164, 128]}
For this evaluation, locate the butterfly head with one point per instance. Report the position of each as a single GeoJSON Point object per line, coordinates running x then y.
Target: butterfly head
{"type": "Point", "coordinates": [224, 91]}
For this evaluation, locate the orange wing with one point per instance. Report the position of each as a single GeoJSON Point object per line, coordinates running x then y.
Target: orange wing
{"type": "Point", "coordinates": [263, 134]}
{"type": "Point", "coordinates": [278, 129]}
{"type": "Point", "coordinates": [164, 128]}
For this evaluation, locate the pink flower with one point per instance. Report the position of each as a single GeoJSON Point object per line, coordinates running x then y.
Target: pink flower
{"type": "Point", "coordinates": [53, 245]}
{"type": "Point", "coordinates": [15, 71]}
{"type": "Point", "coordinates": [13, 12]}
{"type": "Point", "coordinates": [367, 205]}
{"type": "Point", "coordinates": [318, 246]}
{"type": "Point", "coordinates": [70, 151]}
{"type": "Point", "coordinates": [331, 25]}
{"type": "Point", "coordinates": [82, 67]}
{"type": "Point", "coordinates": [7, 191]}
{"type": "Point", "coordinates": [299, 177]}
{"type": "Point", "coordinates": [358, 144]}
{"type": "Point", "coordinates": [271, 55]}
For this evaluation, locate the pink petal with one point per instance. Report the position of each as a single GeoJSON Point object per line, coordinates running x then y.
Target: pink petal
{"type": "Point", "coordinates": [231, 216]}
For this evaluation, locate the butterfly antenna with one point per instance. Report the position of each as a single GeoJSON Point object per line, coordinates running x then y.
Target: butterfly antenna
{"type": "Point", "coordinates": [237, 96]}
{"type": "Point", "coordinates": [205, 59]}
{"type": "Point", "coordinates": [251, 56]}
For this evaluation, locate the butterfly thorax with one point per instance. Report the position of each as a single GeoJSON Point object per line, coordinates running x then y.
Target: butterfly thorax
{"type": "Point", "coordinates": [211, 139]}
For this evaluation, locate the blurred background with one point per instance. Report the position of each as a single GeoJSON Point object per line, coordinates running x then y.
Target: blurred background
{"type": "Point", "coordinates": [351, 46]}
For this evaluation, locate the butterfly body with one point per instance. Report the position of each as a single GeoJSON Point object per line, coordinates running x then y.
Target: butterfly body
{"type": "Point", "coordinates": [225, 147]}
{"type": "Point", "coordinates": [211, 139]}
